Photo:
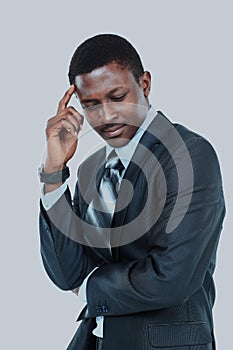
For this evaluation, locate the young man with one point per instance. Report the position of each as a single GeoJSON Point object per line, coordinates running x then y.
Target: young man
{"type": "Point", "coordinates": [139, 239]}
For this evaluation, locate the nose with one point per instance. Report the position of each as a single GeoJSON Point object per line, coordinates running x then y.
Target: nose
{"type": "Point", "coordinates": [108, 113]}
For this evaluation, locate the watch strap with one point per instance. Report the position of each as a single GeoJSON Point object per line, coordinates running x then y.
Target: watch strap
{"type": "Point", "coordinates": [55, 177]}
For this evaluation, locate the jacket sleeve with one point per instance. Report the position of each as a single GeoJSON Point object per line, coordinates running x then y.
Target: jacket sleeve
{"type": "Point", "coordinates": [66, 261]}
{"type": "Point", "coordinates": [177, 262]}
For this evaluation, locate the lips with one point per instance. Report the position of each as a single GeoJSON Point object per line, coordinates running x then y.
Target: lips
{"type": "Point", "coordinates": [113, 130]}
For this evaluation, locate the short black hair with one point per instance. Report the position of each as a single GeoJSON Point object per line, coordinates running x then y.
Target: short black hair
{"type": "Point", "coordinates": [101, 50]}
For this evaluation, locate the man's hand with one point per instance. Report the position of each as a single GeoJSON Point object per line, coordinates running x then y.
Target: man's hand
{"type": "Point", "coordinates": [62, 134]}
{"type": "Point", "coordinates": [62, 137]}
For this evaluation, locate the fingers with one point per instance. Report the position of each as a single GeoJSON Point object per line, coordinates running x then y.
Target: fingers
{"type": "Point", "coordinates": [75, 116]}
{"type": "Point", "coordinates": [77, 126]}
{"type": "Point", "coordinates": [69, 117]}
{"type": "Point", "coordinates": [65, 99]}
{"type": "Point", "coordinates": [67, 121]}
{"type": "Point", "coordinates": [69, 127]}
{"type": "Point", "coordinates": [72, 121]}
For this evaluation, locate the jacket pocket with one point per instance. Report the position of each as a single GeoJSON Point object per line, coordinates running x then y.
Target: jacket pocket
{"type": "Point", "coordinates": [179, 334]}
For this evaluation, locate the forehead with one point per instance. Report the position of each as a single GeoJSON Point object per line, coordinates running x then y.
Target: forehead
{"type": "Point", "coordinates": [104, 79]}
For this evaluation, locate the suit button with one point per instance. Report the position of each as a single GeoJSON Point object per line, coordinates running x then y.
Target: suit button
{"type": "Point", "coordinates": [105, 309]}
{"type": "Point", "coordinates": [99, 309]}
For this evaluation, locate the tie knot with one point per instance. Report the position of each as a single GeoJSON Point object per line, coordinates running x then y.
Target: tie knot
{"type": "Point", "coordinates": [113, 163]}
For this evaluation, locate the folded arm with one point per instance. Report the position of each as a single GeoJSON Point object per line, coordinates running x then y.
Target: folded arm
{"type": "Point", "coordinates": [176, 265]}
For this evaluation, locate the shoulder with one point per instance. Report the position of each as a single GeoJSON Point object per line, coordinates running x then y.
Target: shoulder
{"type": "Point", "coordinates": [182, 149]}
{"type": "Point", "coordinates": [197, 145]}
{"type": "Point", "coordinates": [179, 136]}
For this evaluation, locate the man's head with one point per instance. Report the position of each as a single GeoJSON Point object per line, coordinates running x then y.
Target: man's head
{"type": "Point", "coordinates": [111, 85]}
{"type": "Point", "coordinates": [101, 50]}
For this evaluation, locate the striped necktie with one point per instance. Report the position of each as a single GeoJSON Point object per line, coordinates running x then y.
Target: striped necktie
{"type": "Point", "coordinates": [110, 184]}
{"type": "Point", "coordinates": [101, 209]}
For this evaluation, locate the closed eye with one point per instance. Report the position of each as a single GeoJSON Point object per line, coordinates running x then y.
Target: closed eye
{"type": "Point", "coordinates": [118, 98]}
{"type": "Point", "coordinates": [91, 106]}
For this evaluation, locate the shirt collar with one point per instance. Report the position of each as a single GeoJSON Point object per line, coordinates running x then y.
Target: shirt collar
{"type": "Point", "coordinates": [126, 152]}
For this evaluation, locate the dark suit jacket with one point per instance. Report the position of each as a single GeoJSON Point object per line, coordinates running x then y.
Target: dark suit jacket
{"type": "Point", "coordinates": [156, 290]}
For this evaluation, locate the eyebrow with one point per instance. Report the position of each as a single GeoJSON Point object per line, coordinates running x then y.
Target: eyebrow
{"type": "Point", "coordinates": [109, 93]}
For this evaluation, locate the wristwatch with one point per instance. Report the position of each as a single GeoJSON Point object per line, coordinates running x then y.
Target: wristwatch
{"type": "Point", "coordinates": [53, 178]}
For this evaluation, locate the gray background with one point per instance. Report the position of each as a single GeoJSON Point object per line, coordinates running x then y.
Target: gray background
{"type": "Point", "coordinates": [187, 46]}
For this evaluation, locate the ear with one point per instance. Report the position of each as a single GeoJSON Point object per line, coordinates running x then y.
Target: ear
{"type": "Point", "coordinates": [145, 83]}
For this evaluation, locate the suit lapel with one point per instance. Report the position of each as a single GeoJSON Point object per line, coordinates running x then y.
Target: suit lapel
{"type": "Point", "coordinates": [153, 137]}
{"type": "Point", "coordinates": [90, 175]}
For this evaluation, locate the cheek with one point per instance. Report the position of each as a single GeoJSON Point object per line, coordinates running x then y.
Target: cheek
{"type": "Point", "coordinates": [131, 111]}
{"type": "Point", "coordinates": [136, 116]}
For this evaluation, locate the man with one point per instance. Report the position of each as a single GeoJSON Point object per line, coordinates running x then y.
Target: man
{"type": "Point", "coordinates": [139, 239]}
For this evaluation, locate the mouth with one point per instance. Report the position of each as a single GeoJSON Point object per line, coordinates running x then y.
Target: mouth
{"type": "Point", "coordinates": [112, 130]}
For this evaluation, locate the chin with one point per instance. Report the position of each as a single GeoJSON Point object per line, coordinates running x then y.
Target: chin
{"type": "Point", "coordinates": [117, 142]}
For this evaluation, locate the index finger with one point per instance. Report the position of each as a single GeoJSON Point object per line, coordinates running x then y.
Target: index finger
{"type": "Point", "coordinates": [65, 99]}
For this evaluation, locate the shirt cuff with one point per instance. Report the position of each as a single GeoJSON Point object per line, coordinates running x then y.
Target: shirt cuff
{"type": "Point", "coordinates": [50, 198]}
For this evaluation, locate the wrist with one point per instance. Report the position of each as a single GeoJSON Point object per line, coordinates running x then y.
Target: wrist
{"type": "Point", "coordinates": [51, 168]}
{"type": "Point", "coordinates": [54, 177]}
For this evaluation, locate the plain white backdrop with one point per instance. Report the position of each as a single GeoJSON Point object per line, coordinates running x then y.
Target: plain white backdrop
{"type": "Point", "coordinates": [187, 47]}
